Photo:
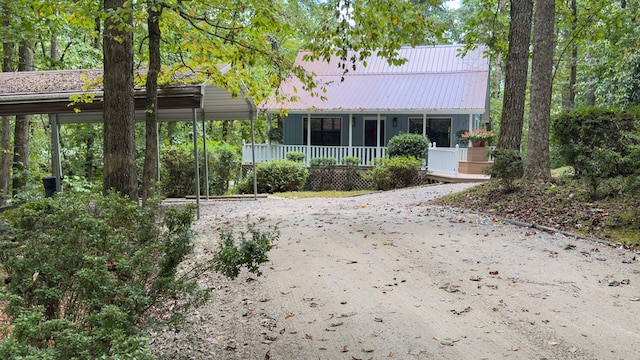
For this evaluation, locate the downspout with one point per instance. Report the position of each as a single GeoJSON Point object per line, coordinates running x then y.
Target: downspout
{"type": "Point", "coordinates": [470, 127]}
{"type": "Point", "coordinates": [378, 137]}
{"type": "Point", "coordinates": [350, 123]}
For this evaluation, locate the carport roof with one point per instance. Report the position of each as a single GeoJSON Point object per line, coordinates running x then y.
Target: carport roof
{"type": "Point", "coordinates": [50, 92]}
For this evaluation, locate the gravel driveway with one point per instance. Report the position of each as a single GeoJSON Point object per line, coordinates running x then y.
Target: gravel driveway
{"type": "Point", "coordinates": [386, 276]}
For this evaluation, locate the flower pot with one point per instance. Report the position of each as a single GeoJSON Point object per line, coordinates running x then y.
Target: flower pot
{"type": "Point", "coordinates": [479, 143]}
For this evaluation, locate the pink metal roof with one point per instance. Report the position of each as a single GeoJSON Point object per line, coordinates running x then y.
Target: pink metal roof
{"type": "Point", "coordinates": [433, 79]}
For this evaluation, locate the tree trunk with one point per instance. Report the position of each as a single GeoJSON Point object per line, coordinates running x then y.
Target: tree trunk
{"type": "Point", "coordinates": [120, 173]}
{"type": "Point", "coordinates": [22, 126]}
{"type": "Point", "coordinates": [515, 85]}
{"type": "Point", "coordinates": [569, 94]}
{"type": "Point", "coordinates": [5, 137]}
{"type": "Point", "coordinates": [537, 164]}
{"type": "Point", "coordinates": [151, 113]}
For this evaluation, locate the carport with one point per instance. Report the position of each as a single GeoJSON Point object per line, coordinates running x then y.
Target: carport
{"type": "Point", "coordinates": [53, 92]}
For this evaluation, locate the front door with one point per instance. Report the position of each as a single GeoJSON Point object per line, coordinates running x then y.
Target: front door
{"type": "Point", "coordinates": [370, 131]}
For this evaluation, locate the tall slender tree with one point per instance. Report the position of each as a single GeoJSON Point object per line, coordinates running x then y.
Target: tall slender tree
{"type": "Point", "coordinates": [517, 66]}
{"type": "Point", "coordinates": [154, 12]}
{"type": "Point", "coordinates": [120, 172]}
{"type": "Point", "coordinates": [537, 164]}
{"type": "Point", "coordinates": [22, 126]}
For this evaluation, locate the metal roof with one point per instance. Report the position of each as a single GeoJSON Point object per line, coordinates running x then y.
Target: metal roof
{"type": "Point", "coordinates": [50, 92]}
{"type": "Point", "coordinates": [433, 79]}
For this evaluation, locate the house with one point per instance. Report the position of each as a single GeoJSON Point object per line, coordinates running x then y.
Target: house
{"type": "Point", "coordinates": [437, 92]}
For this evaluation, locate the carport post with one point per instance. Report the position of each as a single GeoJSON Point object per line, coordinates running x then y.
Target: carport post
{"type": "Point", "coordinates": [55, 149]}
{"type": "Point", "coordinates": [197, 163]}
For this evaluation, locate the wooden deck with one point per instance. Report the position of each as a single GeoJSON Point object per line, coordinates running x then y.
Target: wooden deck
{"type": "Point", "coordinates": [460, 178]}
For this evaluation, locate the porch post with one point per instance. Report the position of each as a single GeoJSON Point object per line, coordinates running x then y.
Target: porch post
{"type": "Point", "coordinates": [378, 137]}
{"type": "Point", "coordinates": [308, 139]}
{"type": "Point", "coordinates": [470, 127]}
{"type": "Point", "coordinates": [424, 125]}
{"type": "Point", "coordinates": [350, 126]}
{"type": "Point", "coordinates": [55, 147]}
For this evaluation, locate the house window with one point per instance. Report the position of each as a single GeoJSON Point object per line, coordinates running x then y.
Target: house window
{"type": "Point", "coordinates": [438, 130]}
{"type": "Point", "coordinates": [324, 131]}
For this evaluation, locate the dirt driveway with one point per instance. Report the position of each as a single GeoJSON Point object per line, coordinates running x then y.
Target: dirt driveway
{"type": "Point", "coordinates": [386, 276]}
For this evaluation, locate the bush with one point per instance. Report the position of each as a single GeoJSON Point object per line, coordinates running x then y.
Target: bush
{"type": "Point", "coordinates": [87, 276]}
{"type": "Point", "coordinates": [395, 172]}
{"type": "Point", "coordinates": [596, 142]}
{"type": "Point", "coordinates": [224, 167]}
{"type": "Point", "coordinates": [276, 176]}
{"type": "Point", "coordinates": [352, 174]}
{"type": "Point", "coordinates": [177, 170]}
{"type": "Point", "coordinates": [297, 156]}
{"type": "Point", "coordinates": [507, 167]}
{"type": "Point", "coordinates": [414, 145]}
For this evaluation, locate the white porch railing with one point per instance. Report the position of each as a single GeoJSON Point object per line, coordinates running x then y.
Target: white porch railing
{"type": "Point", "coordinates": [440, 159]}
{"type": "Point", "coordinates": [268, 152]}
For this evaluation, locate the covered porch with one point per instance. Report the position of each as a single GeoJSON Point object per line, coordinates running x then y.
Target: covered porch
{"type": "Point", "coordinates": [447, 164]}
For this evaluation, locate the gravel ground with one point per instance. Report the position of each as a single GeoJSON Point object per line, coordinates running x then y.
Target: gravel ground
{"type": "Point", "coordinates": [387, 276]}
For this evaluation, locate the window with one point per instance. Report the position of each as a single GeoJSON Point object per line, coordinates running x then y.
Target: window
{"type": "Point", "coordinates": [438, 130]}
{"type": "Point", "coordinates": [324, 131]}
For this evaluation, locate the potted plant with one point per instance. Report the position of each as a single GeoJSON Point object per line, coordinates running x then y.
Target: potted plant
{"type": "Point", "coordinates": [478, 137]}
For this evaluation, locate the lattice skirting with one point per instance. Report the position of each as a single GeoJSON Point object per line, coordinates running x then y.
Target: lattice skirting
{"type": "Point", "coordinates": [342, 178]}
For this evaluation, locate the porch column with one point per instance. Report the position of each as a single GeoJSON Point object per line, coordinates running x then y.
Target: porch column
{"type": "Point", "coordinates": [470, 127]}
{"type": "Point", "coordinates": [350, 126]}
{"type": "Point", "coordinates": [378, 137]}
{"type": "Point", "coordinates": [206, 158]}
{"type": "Point", "coordinates": [308, 139]}
{"type": "Point", "coordinates": [424, 125]}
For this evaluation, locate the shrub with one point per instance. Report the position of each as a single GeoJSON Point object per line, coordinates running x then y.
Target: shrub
{"type": "Point", "coordinates": [596, 142]}
{"type": "Point", "coordinates": [85, 273]}
{"type": "Point", "coordinates": [276, 176]}
{"type": "Point", "coordinates": [297, 156]}
{"type": "Point", "coordinates": [177, 170]}
{"type": "Point", "coordinates": [507, 167]}
{"type": "Point", "coordinates": [414, 145]}
{"type": "Point", "coordinates": [225, 166]}
{"type": "Point", "coordinates": [86, 276]}
{"type": "Point", "coordinates": [395, 172]}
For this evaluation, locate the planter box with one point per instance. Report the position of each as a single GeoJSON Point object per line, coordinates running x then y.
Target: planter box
{"type": "Point", "coordinates": [478, 154]}
{"type": "Point", "coordinates": [473, 167]}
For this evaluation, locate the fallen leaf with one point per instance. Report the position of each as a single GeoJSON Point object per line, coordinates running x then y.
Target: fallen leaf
{"type": "Point", "coordinates": [288, 315]}
{"type": "Point", "coordinates": [552, 343]}
{"type": "Point", "coordinates": [308, 337]}
{"type": "Point", "coordinates": [267, 356]}
{"type": "Point", "coordinates": [493, 272]}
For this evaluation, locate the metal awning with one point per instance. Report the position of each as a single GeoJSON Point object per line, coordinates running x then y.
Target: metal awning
{"type": "Point", "coordinates": [51, 92]}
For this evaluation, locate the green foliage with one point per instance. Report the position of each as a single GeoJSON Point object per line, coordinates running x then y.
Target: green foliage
{"type": "Point", "coordinates": [394, 172]}
{"type": "Point", "coordinates": [351, 161]}
{"type": "Point", "coordinates": [225, 166]}
{"type": "Point", "coordinates": [297, 156]}
{"type": "Point", "coordinates": [177, 171]}
{"type": "Point", "coordinates": [324, 161]}
{"type": "Point", "coordinates": [507, 167]}
{"type": "Point", "coordinates": [275, 135]}
{"type": "Point", "coordinates": [86, 275]}
{"type": "Point", "coordinates": [597, 142]}
{"type": "Point", "coordinates": [248, 252]}
{"type": "Point", "coordinates": [276, 176]}
{"type": "Point", "coordinates": [414, 145]}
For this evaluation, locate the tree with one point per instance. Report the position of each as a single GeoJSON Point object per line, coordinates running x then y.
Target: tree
{"type": "Point", "coordinates": [22, 126]}
{"type": "Point", "coordinates": [515, 83]}
{"type": "Point", "coordinates": [154, 12]}
{"type": "Point", "coordinates": [537, 164]}
{"type": "Point", "coordinates": [5, 140]}
{"type": "Point", "coordinates": [120, 172]}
